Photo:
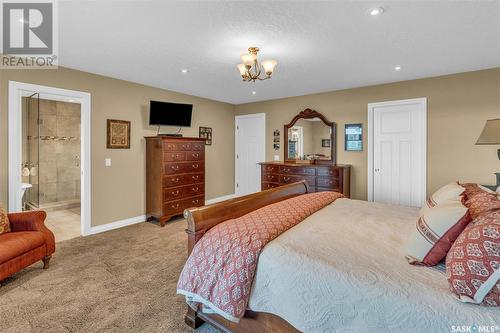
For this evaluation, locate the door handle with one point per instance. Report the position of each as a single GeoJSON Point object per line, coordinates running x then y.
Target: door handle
{"type": "Point", "coordinates": [377, 170]}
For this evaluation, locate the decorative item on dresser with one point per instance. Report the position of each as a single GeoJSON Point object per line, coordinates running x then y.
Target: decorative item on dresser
{"type": "Point", "coordinates": [307, 158]}
{"type": "Point", "coordinates": [319, 177]}
{"type": "Point", "coordinates": [175, 176]}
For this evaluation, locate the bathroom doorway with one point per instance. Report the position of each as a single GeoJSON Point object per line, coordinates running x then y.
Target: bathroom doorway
{"type": "Point", "coordinates": [51, 162]}
{"type": "Point", "coordinates": [49, 156]}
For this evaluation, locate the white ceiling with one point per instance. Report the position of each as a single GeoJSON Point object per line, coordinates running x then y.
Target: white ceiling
{"type": "Point", "coordinates": [320, 46]}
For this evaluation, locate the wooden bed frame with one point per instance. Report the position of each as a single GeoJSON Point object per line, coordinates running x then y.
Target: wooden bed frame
{"type": "Point", "coordinates": [201, 219]}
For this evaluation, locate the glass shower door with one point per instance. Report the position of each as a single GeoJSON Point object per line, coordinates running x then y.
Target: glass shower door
{"type": "Point", "coordinates": [31, 167]}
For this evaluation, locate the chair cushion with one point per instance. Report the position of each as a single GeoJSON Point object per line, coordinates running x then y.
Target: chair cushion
{"type": "Point", "coordinates": [4, 221]}
{"type": "Point", "coordinates": [14, 244]}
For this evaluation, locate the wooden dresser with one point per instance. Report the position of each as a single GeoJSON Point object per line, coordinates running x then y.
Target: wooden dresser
{"type": "Point", "coordinates": [319, 177]}
{"type": "Point", "coordinates": [175, 176]}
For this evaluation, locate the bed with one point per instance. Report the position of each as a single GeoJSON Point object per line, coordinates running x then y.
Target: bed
{"type": "Point", "coordinates": [342, 269]}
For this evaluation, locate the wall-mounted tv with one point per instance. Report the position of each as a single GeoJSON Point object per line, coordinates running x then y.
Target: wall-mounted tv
{"type": "Point", "coordinates": [170, 114]}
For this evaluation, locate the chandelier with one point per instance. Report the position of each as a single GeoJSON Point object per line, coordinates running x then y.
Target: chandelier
{"type": "Point", "coordinates": [251, 70]}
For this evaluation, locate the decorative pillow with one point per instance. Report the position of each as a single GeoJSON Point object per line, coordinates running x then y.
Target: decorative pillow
{"type": "Point", "coordinates": [435, 231]}
{"type": "Point", "coordinates": [4, 221]}
{"type": "Point", "coordinates": [473, 263]}
{"type": "Point", "coordinates": [451, 191]}
{"type": "Point", "coordinates": [481, 203]}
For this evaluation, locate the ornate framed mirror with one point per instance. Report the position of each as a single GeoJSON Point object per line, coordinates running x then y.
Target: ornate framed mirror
{"type": "Point", "coordinates": [310, 138]}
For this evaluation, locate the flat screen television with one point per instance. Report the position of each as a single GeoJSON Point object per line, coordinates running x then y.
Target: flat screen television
{"type": "Point", "coordinates": [170, 114]}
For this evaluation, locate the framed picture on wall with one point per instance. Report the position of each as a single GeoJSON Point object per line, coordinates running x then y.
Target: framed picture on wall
{"type": "Point", "coordinates": [118, 134]}
{"type": "Point", "coordinates": [326, 143]}
{"type": "Point", "coordinates": [354, 137]}
{"type": "Point", "coordinates": [206, 133]}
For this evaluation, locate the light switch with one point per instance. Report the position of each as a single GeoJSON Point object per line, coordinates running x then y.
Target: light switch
{"type": "Point", "coordinates": [276, 157]}
{"type": "Point", "coordinates": [107, 162]}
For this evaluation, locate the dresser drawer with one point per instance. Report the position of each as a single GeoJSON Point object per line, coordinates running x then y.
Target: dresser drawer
{"type": "Point", "coordinates": [267, 186]}
{"type": "Point", "coordinates": [329, 182]}
{"type": "Point", "coordinates": [195, 155]}
{"type": "Point", "coordinates": [288, 179]}
{"type": "Point", "coordinates": [198, 146]}
{"type": "Point", "coordinates": [328, 172]}
{"type": "Point", "coordinates": [183, 167]}
{"type": "Point", "coordinates": [175, 193]}
{"type": "Point", "coordinates": [178, 180]}
{"type": "Point", "coordinates": [292, 170]}
{"type": "Point", "coordinates": [177, 146]}
{"type": "Point", "coordinates": [177, 206]}
{"type": "Point", "coordinates": [270, 168]}
{"type": "Point", "coordinates": [270, 177]}
{"type": "Point", "coordinates": [174, 156]}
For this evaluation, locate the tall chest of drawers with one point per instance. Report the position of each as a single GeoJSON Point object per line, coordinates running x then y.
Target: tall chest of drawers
{"type": "Point", "coordinates": [319, 177]}
{"type": "Point", "coordinates": [175, 176]}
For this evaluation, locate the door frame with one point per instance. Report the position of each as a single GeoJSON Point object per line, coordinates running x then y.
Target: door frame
{"type": "Point", "coordinates": [17, 90]}
{"type": "Point", "coordinates": [236, 118]}
{"type": "Point", "coordinates": [423, 107]}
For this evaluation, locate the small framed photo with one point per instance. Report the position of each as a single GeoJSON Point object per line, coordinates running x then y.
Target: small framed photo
{"type": "Point", "coordinates": [206, 133]}
{"type": "Point", "coordinates": [118, 134]}
{"type": "Point", "coordinates": [326, 143]}
{"type": "Point", "coordinates": [354, 137]}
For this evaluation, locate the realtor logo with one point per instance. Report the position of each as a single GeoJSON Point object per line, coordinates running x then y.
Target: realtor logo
{"type": "Point", "coordinates": [28, 35]}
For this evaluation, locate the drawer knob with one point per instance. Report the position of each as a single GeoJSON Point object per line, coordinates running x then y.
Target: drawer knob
{"type": "Point", "coordinates": [195, 166]}
{"type": "Point", "coordinates": [286, 179]}
{"type": "Point", "coordinates": [195, 189]}
{"type": "Point", "coordinates": [175, 206]}
{"type": "Point", "coordinates": [175, 192]}
{"type": "Point", "coordinates": [286, 170]}
{"type": "Point", "coordinates": [175, 167]}
{"type": "Point", "coordinates": [175, 180]}
{"type": "Point", "coordinates": [196, 155]}
{"type": "Point", "coordinates": [195, 201]}
{"type": "Point", "coordinates": [196, 177]}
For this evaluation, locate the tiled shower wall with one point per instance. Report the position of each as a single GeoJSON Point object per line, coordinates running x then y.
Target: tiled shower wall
{"type": "Point", "coordinates": [59, 151]}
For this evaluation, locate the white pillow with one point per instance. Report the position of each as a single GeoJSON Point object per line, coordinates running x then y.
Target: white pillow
{"type": "Point", "coordinates": [452, 191]}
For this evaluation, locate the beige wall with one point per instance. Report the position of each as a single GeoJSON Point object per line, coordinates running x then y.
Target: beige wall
{"type": "Point", "coordinates": [118, 191]}
{"type": "Point", "coordinates": [458, 106]}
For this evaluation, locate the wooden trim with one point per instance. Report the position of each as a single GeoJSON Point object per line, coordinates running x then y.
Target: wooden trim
{"type": "Point", "coordinates": [201, 219]}
{"type": "Point", "coordinates": [310, 114]}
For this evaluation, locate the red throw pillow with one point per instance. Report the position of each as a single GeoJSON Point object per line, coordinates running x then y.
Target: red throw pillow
{"type": "Point", "coordinates": [473, 262]}
{"type": "Point", "coordinates": [481, 203]}
{"type": "Point", "coordinates": [4, 221]}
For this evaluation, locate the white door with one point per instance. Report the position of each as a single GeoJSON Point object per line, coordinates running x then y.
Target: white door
{"type": "Point", "coordinates": [397, 152]}
{"type": "Point", "coordinates": [250, 142]}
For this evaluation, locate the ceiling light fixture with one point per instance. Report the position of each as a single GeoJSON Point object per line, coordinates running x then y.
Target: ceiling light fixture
{"type": "Point", "coordinates": [376, 11]}
{"type": "Point", "coordinates": [397, 68]}
{"type": "Point", "coordinates": [251, 69]}
{"type": "Point", "coordinates": [254, 92]}
{"type": "Point", "coordinates": [184, 70]}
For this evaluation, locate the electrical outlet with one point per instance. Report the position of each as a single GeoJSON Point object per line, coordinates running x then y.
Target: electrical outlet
{"type": "Point", "coordinates": [276, 157]}
{"type": "Point", "coordinates": [107, 162]}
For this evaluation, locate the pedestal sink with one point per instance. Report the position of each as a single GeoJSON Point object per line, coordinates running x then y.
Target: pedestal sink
{"type": "Point", "coordinates": [24, 187]}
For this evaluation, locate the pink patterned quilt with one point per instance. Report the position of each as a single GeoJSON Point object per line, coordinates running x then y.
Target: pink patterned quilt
{"type": "Point", "coordinates": [218, 274]}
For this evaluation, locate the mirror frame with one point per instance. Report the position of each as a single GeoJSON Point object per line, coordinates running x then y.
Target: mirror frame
{"type": "Point", "coordinates": [309, 114]}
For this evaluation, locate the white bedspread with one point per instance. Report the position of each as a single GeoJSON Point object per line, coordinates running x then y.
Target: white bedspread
{"type": "Point", "coordinates": [343, 270]}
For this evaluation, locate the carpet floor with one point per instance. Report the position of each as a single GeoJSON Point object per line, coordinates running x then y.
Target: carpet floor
{"type": "Point", "coordinates": [118, 281]}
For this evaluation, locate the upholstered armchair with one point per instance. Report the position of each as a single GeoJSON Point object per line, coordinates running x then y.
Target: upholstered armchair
{"type": "Point", "coordinates": [28, 242]}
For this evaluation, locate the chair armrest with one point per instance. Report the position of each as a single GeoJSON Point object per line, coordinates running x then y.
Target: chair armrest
{"type": "Point", "coordinates": [33, 221]}
{"type": "Point", "coordinates": [27, 221]}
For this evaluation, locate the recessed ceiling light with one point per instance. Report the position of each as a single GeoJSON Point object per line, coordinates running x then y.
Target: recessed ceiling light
{"type": "Point", "coordinates": [184, 70]}
{"type": "Point", "coordinates": [397, 68]}
{"type": "Point", "coordinates": [254, 92]}
{"type": "Point", "coordinates": [71, 100]}
{"type": "Point", "coordinates": [376, 11]}
{"type": "Point", "coordinates": [21, 20]}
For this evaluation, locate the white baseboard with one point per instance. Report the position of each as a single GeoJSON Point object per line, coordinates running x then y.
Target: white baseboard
{"type": "Point", "coordinates": [142, 218]}
{"type": "Point", "coordinates": [219, 199]}
{"type": "Point", "coordinates": [117, 224]}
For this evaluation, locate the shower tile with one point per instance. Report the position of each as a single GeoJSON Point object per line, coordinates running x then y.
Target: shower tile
{"type": "Point", "coordinates": [47, 150]}
{"type": "Point", "coordinates": [48, 125]}
{"type": "Point", "coordinates": [47, 171]}
{"type": "Point", "coordinates": [68, 126]}
{"type": "Point", "coordinates": [47, 107]}
{"type": "Point", "coordinates": [48, 192]}
{"type": "Point", "coordinates": [67, 173]}
{"type": "Point", "coordinates": [66, 190]}
{"type": "Point", "coordinates": [68, 109]}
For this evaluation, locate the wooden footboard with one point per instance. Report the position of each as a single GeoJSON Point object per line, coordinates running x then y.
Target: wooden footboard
{"type": "Point", "coordinates": [201, 219]}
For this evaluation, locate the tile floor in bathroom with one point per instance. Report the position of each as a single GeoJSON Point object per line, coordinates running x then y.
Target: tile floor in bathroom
{"type": "Point", "coordinates": [65, 224]}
